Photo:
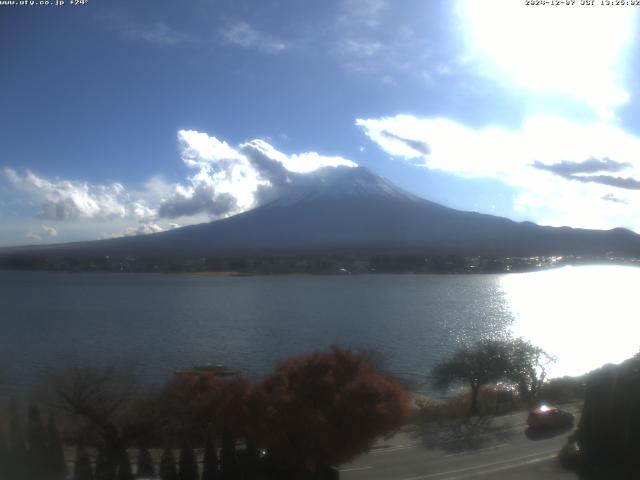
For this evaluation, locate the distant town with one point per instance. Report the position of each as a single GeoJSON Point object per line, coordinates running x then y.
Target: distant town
{"type": "Point", "coordinates": [324, 264]}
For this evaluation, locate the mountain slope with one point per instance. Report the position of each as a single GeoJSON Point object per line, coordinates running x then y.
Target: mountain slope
{"type": "Point", "coordinates": [346, 210]}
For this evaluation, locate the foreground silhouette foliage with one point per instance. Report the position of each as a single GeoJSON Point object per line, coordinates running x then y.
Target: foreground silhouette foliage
{"type": "Point", "coordinates": [56, 468]}
{"type": "Point", "coordinates": [124, 468]}
{"type": "Point", "coordinates": [82, 469]}
{"type": "Point", "coordinates": [37, 441]}
{"type": "Point", "coordinates": [314, 412]}
{"type": "Point", "coordinates": [188, 463]}
{"type": "Point", "coordinates": [514, 361]}
{"type": "Point", "coordinates": [190, 403]}
{"type": "Point", "coordinates": [108, 408]}
{"type": "Point", "coordinates": [168, 470]}
{"type": "Point", "coordinates": [325, 409]}
{"type": "Point", "coordinates": [34, 452]}
{"type": "Point", "coordinates": [228, 457]}
{"type": "Point", "coordinates": [210, 460]}
{"type": "Point", "coordinates": [527, 367]}
{"type": "Point", "coordinates": [145, 464]}
{"type": "Point", "coordinates": [609, 430]}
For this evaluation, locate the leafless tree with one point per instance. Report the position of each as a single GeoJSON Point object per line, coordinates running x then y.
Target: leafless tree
{"type": "Point", "coordinates": [106, 405]}
{"type": "Point", "coordinates": [488, 361]}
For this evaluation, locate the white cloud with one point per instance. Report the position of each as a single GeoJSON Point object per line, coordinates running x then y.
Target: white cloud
{"type": "Point", "coordinates": [199, 149]}
{"type": "Point", "coordinates": [362, 12]}
{"type": "Point", "coordinates": [361, 47]}
{"type": "Point", "coordinates": [566, 171]}
{"type": "Point", "coordinates": [231, 180]}
{"type": "Point", "coordinates": [68, 200]}
{"type": "Point", "coordinates": [49, 231]}
{"type": "Point", "coordinates": [224, 181]}
{"type": "Point", "coordinates": [298, 163]}
{"type": "Point", "coordinates": [157, 33]}
{"type": "Point", "coordinates": [44, 231]}
{"type": "Point", "coordinates": [386, 51]}
{"type": "Point", "coordinates": [243, 35]}
{"type": "Point", "coordinates": [141, 229]}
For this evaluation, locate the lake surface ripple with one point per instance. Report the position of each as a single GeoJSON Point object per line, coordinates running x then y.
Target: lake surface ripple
{"type": "Point", "coordinates": [585, 316]}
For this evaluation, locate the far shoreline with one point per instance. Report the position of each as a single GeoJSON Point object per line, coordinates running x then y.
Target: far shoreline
{"type": "Point", "coordinates": [498, 267]}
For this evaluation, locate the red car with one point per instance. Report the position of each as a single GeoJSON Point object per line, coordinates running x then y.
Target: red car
{"type": "Point", "coordinates": [549, 418]}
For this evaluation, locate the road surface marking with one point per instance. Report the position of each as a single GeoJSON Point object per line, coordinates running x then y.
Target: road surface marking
{"type": "Point", "coordinates": [471, 452]}
{"type": "Point", "coordinates": [474, 469]}
{"type": "Point", "coordinates": [500, 469]}
{"type": "Point", "coordinates": [355, 469]}
{"type": "Point", "coordinates": [393, 449]}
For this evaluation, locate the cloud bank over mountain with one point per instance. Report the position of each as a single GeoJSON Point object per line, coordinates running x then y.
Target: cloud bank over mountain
{"type": "Point", "coordinates": [229, 180]}
{"type": "Point", "coordinates": [224, 181]}
{"type": "Point", "coordinates": [566, 172]}
{"type": "Point", "coordinates": [72, 200]}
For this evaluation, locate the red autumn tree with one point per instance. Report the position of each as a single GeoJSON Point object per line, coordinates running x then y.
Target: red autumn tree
{"type": "Point", "coordinates": [325, 409]}
{"type": "Point", "coordinates": [193, 402]}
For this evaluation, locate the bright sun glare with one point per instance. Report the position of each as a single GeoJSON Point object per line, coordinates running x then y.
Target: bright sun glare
{"type": "Point", "coordinates": [586, 316]}
{"type": "Point", "coordinates": [574, 50]}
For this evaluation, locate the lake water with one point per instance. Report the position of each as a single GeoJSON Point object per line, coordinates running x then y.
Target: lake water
{"type": "Point", "coordinates": [585, 316]}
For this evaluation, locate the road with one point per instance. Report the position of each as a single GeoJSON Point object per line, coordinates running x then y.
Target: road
{"type": "Point", "coordinates": [488, 448]}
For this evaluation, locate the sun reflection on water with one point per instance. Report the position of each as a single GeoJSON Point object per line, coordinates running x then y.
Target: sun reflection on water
{"type": "Point", "coordinates": [585, 316]}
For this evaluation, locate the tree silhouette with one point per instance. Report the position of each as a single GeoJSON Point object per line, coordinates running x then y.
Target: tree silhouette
{"type": "Point", "coordinates": [483, 363]}
{"type": "Point", "coordinates": [210, 462]}
{"type": "Point", "coordinates": [4, 455]}
{"type": "Point", "coordinates": [228, 458]}
{"type": "Point", "coordinates": [324, 409]}
{"type": "Point", "coordinates": [104, 470]}
{"type": "Point", "coordinates": [490, 361]}
{"type": "Point", "coordinates": [145, 464]}
{"type": "Point", "coordinates": [192, 402]}
{"type": "Point", "coordinates": [168, 466]}
{"type": "Point", "coordinates": [56, 465]}
{"type": "Point", "coordinates": [17, 461]}
{"type": "Point", "coordinates": [188, 463]}
{"type": "Point", "coordinates": [249, 463]}
{"type": "Point", "coordinates": [82, 469]}
{"type": "Point", "coordinates": [124, 468]}
{"type": "Point", "coordinates": [36, 438]}
{"type": "Point", "coordinates": [108, 402]}
{"type": "Point", "coordinates": [527, 367]}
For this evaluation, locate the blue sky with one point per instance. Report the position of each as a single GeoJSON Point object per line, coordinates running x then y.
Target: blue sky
{"type": "Point", "coordinates": [120, 117]}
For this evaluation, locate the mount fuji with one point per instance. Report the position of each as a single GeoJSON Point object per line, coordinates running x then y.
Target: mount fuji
{"type": "Point", "coordinates": [354, 211]}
